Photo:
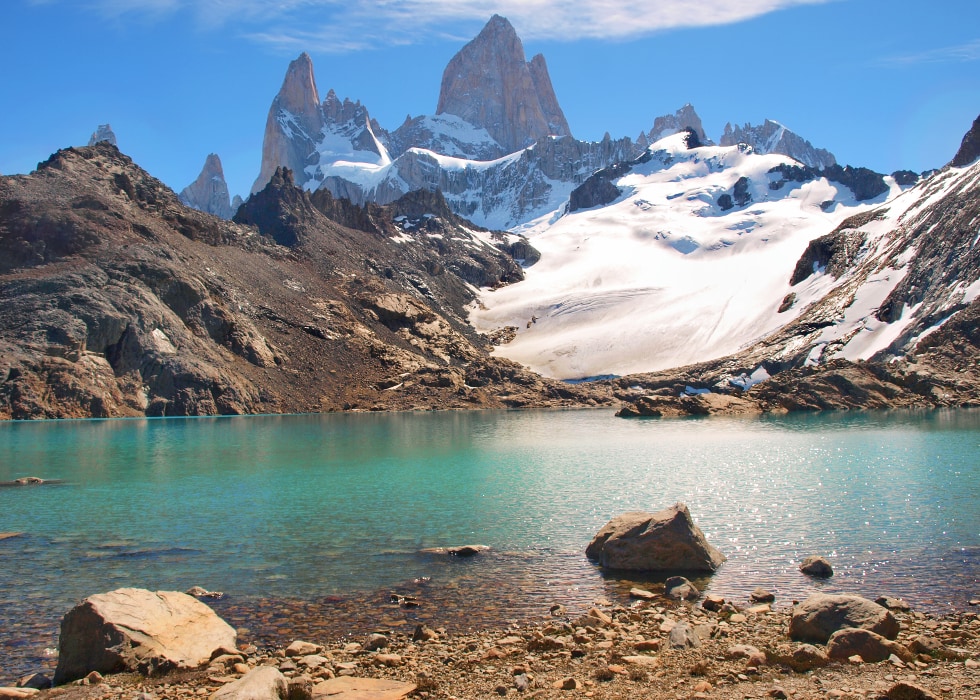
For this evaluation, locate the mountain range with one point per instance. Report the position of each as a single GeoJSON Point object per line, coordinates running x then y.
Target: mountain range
{"type": "Point", "coordinates": [478, 256]}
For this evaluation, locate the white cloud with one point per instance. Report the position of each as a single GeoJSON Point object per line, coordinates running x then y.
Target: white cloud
{"type": "Point", "coordinates": [342, 25]}
{"type": "Point", "coordinates": [961, 53]}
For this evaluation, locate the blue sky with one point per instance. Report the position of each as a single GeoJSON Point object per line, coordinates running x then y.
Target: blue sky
{"type": "Point", "coordinates": [884, 84]}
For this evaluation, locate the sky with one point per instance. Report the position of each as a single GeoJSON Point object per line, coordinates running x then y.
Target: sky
{"type": "Point", "coordinates": [884, 84]}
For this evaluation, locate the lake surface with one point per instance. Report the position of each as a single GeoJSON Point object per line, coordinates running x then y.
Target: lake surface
{"type": "Point", "coordinates": [308, 523]}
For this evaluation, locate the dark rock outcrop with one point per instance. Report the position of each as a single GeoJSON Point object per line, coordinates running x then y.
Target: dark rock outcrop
{"type": "Point", "coordinates": [969, 149]}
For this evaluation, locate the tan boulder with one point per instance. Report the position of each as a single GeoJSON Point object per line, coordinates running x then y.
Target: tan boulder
{"type": "Point", "coordinates": [132, 629]}
{"type": "Point", "coordinates": [820, 615]}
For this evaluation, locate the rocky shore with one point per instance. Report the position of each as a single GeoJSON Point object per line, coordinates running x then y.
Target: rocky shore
{"type": "Point", "coordinates": [654, 647]}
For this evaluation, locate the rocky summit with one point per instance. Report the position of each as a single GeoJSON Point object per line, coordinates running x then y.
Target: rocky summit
{"type": "Point", "coordinates": [490, 85]}
{"type": "Point", "coordinates": [209, 192]}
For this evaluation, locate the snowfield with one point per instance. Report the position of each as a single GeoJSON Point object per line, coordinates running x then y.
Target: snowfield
{"type": "Point", "coordinates": [663, 276]}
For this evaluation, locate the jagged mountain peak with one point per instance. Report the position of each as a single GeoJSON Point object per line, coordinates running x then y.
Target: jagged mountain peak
{"type": "Point", "coordinates": [103, 133]}
{"type": "Point", "coordinates": [684, 118]}
{"type": "Point", "coordinates": [490, 84]}
{"type": "Point", "coordinates": [969, 149]}
{"type": "Point", "coordinates": [209, 192]}
{"type": "Point", "coordinates": [773, 137]}
{"type": "Point", "coordinates": [299, 93]}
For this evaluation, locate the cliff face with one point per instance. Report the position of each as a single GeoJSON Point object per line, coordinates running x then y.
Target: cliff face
{"type": "Point", "coordinates": [118, 300]}
{"type": "Point", "coordinates": [490, 85]}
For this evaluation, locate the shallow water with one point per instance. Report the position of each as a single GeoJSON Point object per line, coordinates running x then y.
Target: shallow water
{"type": "Point", "coordinates": [313, 520]}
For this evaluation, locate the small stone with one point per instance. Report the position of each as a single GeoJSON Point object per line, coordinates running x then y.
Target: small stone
{"type": "Point", "coordinates": [737, 617]}
{"type": "Point", "coordinates": [642, 594]}
{"type": "Point", "coordinates": [521, 682]}
{"type": "Point", "coordinates": [388, 660]}
{"type": "Point", "coordinates": [971, 663]}
{"type": "Point", "coordinates": [301, 648]}
{"type": "Point", "coordinates": [741, 651]}
{"type": "Point", "coordinates": [713, 602]}
{"type": "Point", "coordinates": [94, 678]}
{"type": "Point", "coordinates": [642, 660]}
{"type": "Point", "coordinates": [856, 659]}
{"type": "Point", "coordinates": [761, 595]}
{"type": "Point", "coordinates": [760, 609]}
{"type": "Point", "coordinates": [702, 687]}
{"type": "Point", "coordinates": [683, 636]}
{"type": "Point", "coordinates": [755, 660]}
{"type": "Point", "coordinates": [557, 610]}
{"type": "Point", "coordinates": [567, 684]}
{"type": "Point", "coordinates": [817, 566]}
{"type": "Point", "coordinates": [647, 645]}
{"type": "Point", "coordinates": [241, 668]}
{"type": "Point", "coordinates": [375, 642]}
{"type": "Point", "coordinates": [778, 693]}
{"type": "Point", "coordinates": [600, 616]}
{"type": "Point", "coordinates": [424, 633]}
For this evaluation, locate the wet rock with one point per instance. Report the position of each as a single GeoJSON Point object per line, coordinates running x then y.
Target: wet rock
{"type": "Point", "coordinates": [263, 683]}
{"type": "Point", "coordinates": [661, 541]}
{"type": "Point", "coordinates": [199, 592]}
{"type": "Point", "coordinates": [138, 630]}
{"type": "Point", "coordinates": [680, 588]}
{"type": "Point", "coordinates": [761, 595]}
{"type": "Point", "coordinates": [869, 646]}
{"type": "Point", "coordinates": [817, 566]}
{"type": "Point", "coordinates": [424, 633]}
{"type": "Point", "coordinates": [37, 681]}
{"type": "Point", "coordinates": [642, 594]}
{"type": "Point", "coordinates": [820, 615]}
{"type": "Point", "coordinates": [466, 550]}
{"type": "Point", "coordinates": [893, 603]}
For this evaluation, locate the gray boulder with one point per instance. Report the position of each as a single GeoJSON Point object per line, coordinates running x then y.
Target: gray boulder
{"type": "Point", "coordinates": [263, 683]}
{"type": "Point", "coordinates": [667, 540]}
{"type": "Point", "coordinates": [131, 629]}
{"type": "Point", "coordinates": [820, 615]}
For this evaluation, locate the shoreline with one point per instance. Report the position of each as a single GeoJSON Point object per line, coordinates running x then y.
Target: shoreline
{"type": "Point", "coordinates": [608, 651]}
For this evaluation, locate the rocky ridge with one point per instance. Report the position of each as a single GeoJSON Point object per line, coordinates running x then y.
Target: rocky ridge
{"type": "Point", "coordinates": [119, 300]}
{"type": "Point", "coordinates": [773, 137]}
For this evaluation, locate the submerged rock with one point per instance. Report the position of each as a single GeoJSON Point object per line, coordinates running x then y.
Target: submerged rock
{"type": "Point", "coordinates": [667, 540]}
{"type": "Point", "coordinates": [817, 566]}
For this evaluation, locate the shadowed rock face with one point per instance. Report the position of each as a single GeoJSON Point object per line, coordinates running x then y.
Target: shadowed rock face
{"type": "Point", "coordinates": [970, 147]}
{"type": "Point", "coordinates": [490, 84]}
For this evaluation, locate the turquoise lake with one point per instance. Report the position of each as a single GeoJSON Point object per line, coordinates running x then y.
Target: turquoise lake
{"type": "Point", "coordinates": [305, 513]}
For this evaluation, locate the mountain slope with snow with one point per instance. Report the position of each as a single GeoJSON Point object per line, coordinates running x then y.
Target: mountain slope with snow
{"type": "Point", "coordinates": [691, 262]}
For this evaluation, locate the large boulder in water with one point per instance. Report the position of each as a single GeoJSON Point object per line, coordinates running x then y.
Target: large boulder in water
{"type": "Point", "coordinates": [819, 616]}
{"type": "Point", "coordinates": [667, 540]}
{"type": "Point", "coordinates": [131, 629]}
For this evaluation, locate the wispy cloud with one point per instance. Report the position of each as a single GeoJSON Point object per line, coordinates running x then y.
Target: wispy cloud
{"type": "Point", "coordinates": [344, 26]}
{"type": "Point", "coordinates": [961, 53]}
